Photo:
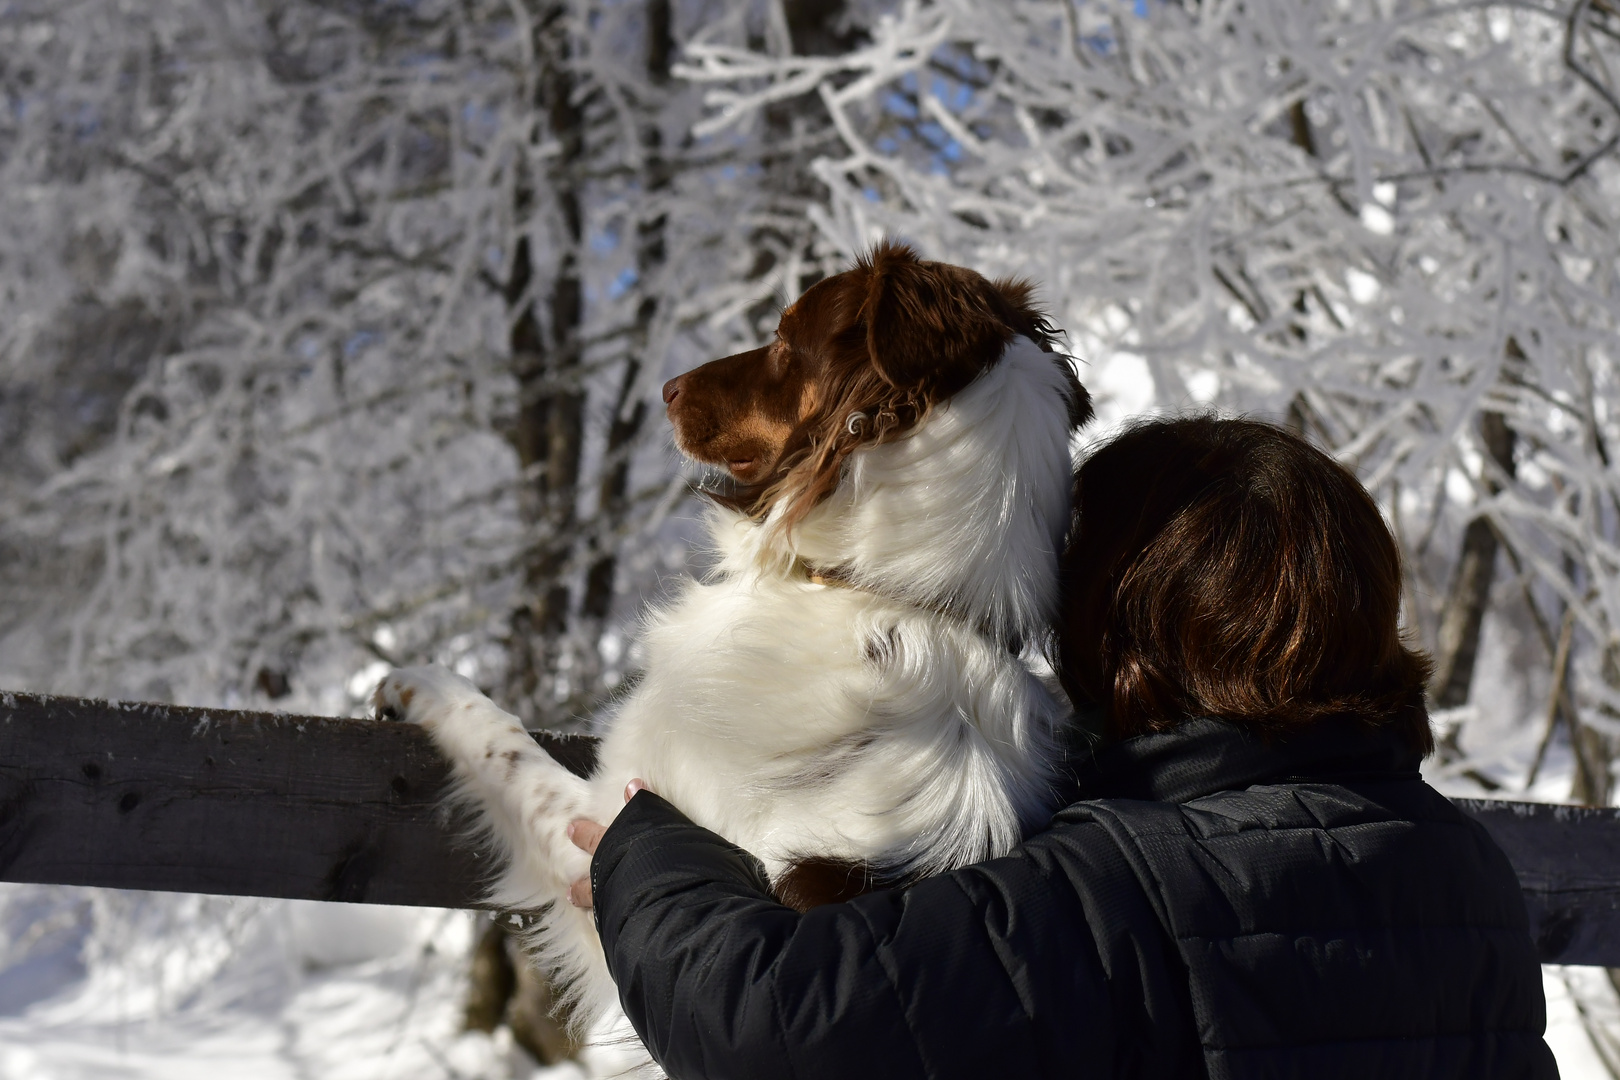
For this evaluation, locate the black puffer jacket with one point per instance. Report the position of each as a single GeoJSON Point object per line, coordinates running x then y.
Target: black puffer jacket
{"type": "Point", "coordinates": [1210, 906]}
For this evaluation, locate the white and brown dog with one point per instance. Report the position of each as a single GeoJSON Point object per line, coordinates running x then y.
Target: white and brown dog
{"type": "Point", "coordinates": [842, 695]}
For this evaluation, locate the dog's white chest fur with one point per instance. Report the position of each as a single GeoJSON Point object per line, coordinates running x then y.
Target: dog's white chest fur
{"type": "Point", "coordinates": [799, 719]}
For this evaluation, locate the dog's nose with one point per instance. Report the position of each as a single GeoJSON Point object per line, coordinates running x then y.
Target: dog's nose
{"type": "Point", "coordinates": [672, 388]}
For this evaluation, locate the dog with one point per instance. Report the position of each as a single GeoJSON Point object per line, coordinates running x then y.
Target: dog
{"type": "Point", "coordinates": [843, 694]}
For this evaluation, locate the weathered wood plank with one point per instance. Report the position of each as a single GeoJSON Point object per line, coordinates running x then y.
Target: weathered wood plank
{"type": "Point", "coordinates": [140, 796]}
{"type": "Point", "coordinates": [1568, 862]}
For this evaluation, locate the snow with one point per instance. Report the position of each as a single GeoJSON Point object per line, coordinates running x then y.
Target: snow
{"type": "Point", "coordinates": [151, 986]}
{"type": "Point", "coordinates": [329, 992]}
{"type": "Point", "coordinates": [1570, 991]}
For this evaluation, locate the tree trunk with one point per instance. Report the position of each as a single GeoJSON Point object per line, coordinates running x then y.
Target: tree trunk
{"type": "Point", "coordinates": [1457, 645]}
{"type": "Point", "coordinates": [629, 407]}
{"type": "Point", "coordinates": [546, 359]}
{"type": "Point", "coordinates": [491, 980]}
{"type": "Point", "coordinates": [814, 28]}
{"type": "Point", "coordinates": [546, 356]}
{"type": "Point", "coordinates": [1594, 751]}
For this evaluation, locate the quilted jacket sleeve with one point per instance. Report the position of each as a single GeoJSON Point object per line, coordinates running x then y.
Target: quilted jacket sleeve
{"type": "Point", "coordinates": [989, 971]}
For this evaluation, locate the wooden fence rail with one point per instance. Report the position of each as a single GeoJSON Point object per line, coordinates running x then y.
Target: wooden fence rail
{"type": "Point", "coordinates": [141, 796]}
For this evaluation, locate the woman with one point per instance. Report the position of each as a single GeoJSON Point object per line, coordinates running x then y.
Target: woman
{"type": "Point", "coordinates": [1252, 879]}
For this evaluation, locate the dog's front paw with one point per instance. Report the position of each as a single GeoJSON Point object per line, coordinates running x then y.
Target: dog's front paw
{"type": "Point", "coordinates": [421, 695]}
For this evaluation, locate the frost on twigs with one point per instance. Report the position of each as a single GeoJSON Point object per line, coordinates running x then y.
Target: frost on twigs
{"type": "Point", "coordinates": [280, 291]}
{"type": "Point", "coordinates": [1381, 223]}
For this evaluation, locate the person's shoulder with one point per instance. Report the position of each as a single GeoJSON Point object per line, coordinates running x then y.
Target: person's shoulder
{"type": "Point", "coordinates": [1077, 830]}
{"type": "Point", "coordinates": [1080, 846]}
{"type": "Point", "coordinates": [1331, 802]}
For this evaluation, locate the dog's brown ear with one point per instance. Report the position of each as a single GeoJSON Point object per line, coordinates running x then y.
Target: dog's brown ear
{"type": "Point", "coordinates": [930, 328]}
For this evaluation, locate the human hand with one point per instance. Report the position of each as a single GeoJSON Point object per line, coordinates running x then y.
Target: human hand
{"type": "Point", "coordinates": [586, 834]}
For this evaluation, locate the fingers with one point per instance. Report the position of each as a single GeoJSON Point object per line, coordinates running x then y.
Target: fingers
{"type": "Point", "coordinates": [586, 835]}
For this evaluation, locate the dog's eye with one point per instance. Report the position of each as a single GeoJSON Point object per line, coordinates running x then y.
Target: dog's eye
{"type": "Point", "coordinates": [780, 355]}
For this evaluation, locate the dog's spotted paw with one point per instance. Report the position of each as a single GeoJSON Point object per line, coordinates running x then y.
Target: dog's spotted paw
{"type": "Point", "coordinates": [421, 695]}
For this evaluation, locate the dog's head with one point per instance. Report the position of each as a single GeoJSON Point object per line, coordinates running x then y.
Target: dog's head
{"type": "Point", "coordinates": [861, 358]}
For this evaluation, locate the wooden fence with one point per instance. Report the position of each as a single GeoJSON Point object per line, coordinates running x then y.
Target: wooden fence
{"type": "Point", "coordinates": [141, 796]}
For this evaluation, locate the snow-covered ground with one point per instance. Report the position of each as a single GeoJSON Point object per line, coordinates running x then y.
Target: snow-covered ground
{"type": "Point", "coordinates": [98, 984]}
{"type": "Point", "coordinates": [1572, 991]}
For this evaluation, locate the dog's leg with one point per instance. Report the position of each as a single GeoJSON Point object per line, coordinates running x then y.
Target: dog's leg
{"type": "Point", "coordinates": [522, 797]}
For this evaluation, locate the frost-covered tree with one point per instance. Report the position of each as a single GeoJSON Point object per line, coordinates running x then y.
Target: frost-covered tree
{"type": "Point", "coordinates": [332, 331]}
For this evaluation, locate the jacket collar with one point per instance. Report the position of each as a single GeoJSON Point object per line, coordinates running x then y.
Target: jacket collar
{"type": "Point", "coordinates": [1203, 756]}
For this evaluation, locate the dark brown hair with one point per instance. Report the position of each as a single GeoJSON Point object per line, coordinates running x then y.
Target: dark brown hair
{"type": "Point", "coordinates": [1227, 568]}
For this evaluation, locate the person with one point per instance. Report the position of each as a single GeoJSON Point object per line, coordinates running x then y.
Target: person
{"type": "Point", "coordinates": [1251, 879]}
